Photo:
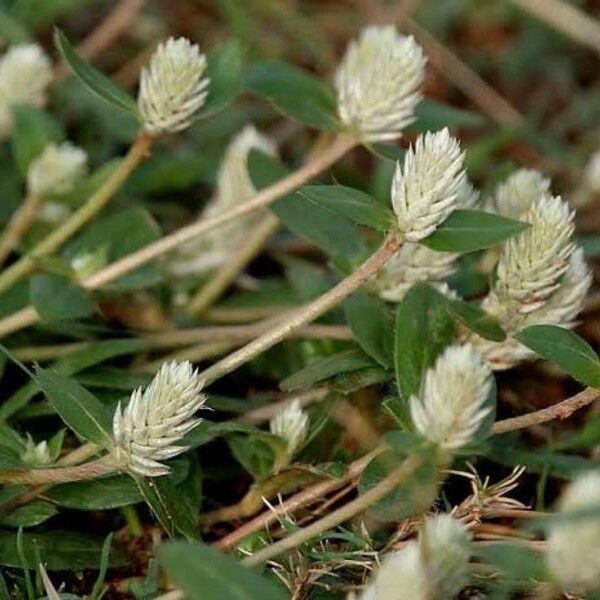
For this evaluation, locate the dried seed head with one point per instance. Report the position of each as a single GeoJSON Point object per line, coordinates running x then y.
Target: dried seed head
{"type": "Point", "coordinates": [172, 87]}
{"type": "Point", "coordinates": [413, 263]}
{"type": "Point", "coordinates": [518, 192]}
{"type": "Point", "coordinates": [446, 548]}
{"type": "Point", "coordinates": [573, 553]}
{"type": "Point", "coordinates": [425, 189]}
{"type": "Point", "coordinates": [378, 83]}
{"type": "Point", "coordinates": [291, 424]}
{"type": "Point", "coordinates": [532, 263]}
{"type": "Point", "coordinates": [452, 404]}
{"type": "Point", "coordinates": [234, 187]}
{"type": "Point", "coordinates": [147, 430]}
{"type": "Point", "coordinates": [57, 170]}
{"type": "Point", "coordinates": [434, 566]}
{"type": "Point", "coordinates": [25, 72]}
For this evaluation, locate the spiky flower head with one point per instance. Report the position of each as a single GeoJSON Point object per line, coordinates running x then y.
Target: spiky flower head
{"type": "Point", "coordinates": [25, 72]}
{"type": "Point", "coordinates": [57, 170]}
{"type": "Point", "coordinates": [172, 87]}
{"type": "Point", "coordinates": [290, 423]}
{"type": "Point", "coordinates": [425, 188]}
{"type": "Point", "coordinates": [147, 430]}
{"type": "Point", "coordinates": [436, 566]}
{"type": "Point", "coordinates": [518, 192]}
{"type": "Point", "coordinates": [413, 263]}
{"type": "Point", "coordinates": [446, 548]}
{"type": "Point", "coordinates": [532, 263]}
{"type": "Point", "coordinates": [573, 551]}
{"type": "Point", "coordinates": [234, 186]}
{"type": "Point", "coordinates": [452, 403]}
{"type": "Point", "coordinates": [378, 83]}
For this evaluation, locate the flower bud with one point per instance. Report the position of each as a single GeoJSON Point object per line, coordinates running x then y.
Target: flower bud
{"type": "Point", "coordinates": [518, 192]}
{"type": "Point", "coordinates": [36, 455]}
{"type": "Point", "coordinates": [452, 403]}
{"type": "Point", "coordinates": [434, 567]}
{"type": "Point", "coordinates": [573, 551]}
{"type": "Point", "coordinates": [172, 87]}
{"type": "Point", "coordinates": [25, 72]}
{"type": "Point", "coordinates": [147, 430]}
{"type": "Point", "coordinates": [425, 189]}
{"type": "Point", "coordinates": [57, 170]}
{"type": "Point", "coordinates": [378, 83]}
{"type": "Point", "coordinates": [291, 425]}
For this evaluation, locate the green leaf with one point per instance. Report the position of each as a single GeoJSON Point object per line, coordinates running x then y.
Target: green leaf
{"type": "Point", "coordinates": [353, 204]}
{"type": "Point", "coordinates": [294, 92]}
{"type": "Point", "coordinates": [122, 232]}
{"type": "Point", "coordinates": [225, 72]}
{"type": "Point", "coordinates": [108, 492]}
{"type": "Point", "coordinates": [334, 234]}
{"type": "Point", "coordinates": [476, 319]}
{"type": "Point", "coordinates": [29, 515]}
{"type": "Point", "coordinates": [468, 230]}
{"type": "Point", "coordinates": [77, 407]}
{"type": "Point", "coordinates": [205, 574]}
{"type": "Point", "coordinates": [12, 30]}
{"type": "Point", "coordinates": [423, 329]}
{"type": "Point", "coordinates": [169, 507]}
{"type": "Point", "coordinates": [57, 550]}
{"type": "Point", "coordinates": [58, 299]}
{"type": "Point", "coordinates": [33, 130]}
{"type": "Point", "coordinates": [564, 348]}
{"type": "Point", "coordinates": [94, 80]}
{"type": "Point", "coordinates": [372, 325]}
{"type": "Point", "coordinates": [323, 368]}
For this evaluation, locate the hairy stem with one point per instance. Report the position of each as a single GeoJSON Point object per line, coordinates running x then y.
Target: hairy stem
{"type": "Point", "coordinates": [19, 224]}
{"type": "Point", "coordinates": [290, 323]}
{"type": "Point", "coordinates": [139, 149]}
{"type": "Point", "coordinates": [28, 316]}
{"type": "Point", "coordinates": [223, 278]}
{"type": "Point", "coordinates": [335, 518]}
{"type": "Point", "coordinates": [91, 470]}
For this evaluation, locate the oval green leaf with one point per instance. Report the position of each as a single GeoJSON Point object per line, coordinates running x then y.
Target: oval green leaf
{"type": "Point", "coordinates": [468, 230]}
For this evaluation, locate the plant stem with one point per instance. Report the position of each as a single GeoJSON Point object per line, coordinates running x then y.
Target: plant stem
{"type": "Point", "coordinates": [340, 146]}
{"type": "Point", "coordinates": [139, 149]}
{"type": "Point", "coordinates": [290, 323]}
{"type": "Point", "coordinates": [19, 224]}
{"type": "Point", "coordinates": [91, 470]}
{"type": "Point", "coordinates": [223, 278]}
{"type": "Point", "coordinates": [335, 518]}
{"type": "Point", "coordinates": [132, 519]}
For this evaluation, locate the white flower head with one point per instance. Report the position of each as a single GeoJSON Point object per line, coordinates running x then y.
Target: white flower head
{"type": "Point", "coordinates": [518, 192]}
{"type": "Point", "coordinates": [402, 576]}
{"type": "Point", "coordinates": [573, 553]}
{"type": "Point", "coordinates": [446, 548]}
{"type": "Point", "coordinates": [25, 72]}
{"type": "Point", "coordinates": [532, 263]}
{"type": "Point", "coordinates": [378, 83]}
{"type": "Point", "coordinates": [57, 170]}
{"type": "Point", "coordinates": [413, 263]}
{"type": "Point", "coordinates": [425, 189]}
{"type": "Point", "coordinates": [147, 430]}
{"type": "Point", "coordinates": [434, 566]}
{"type": "Point", "coordinates": [234, 187]}
{"type": "Point", "coordinates": [452, 403]}
{"type": "Point", "coordinates": [290, 423]}
{"type": "Point", "coordinates": [172, 87]}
